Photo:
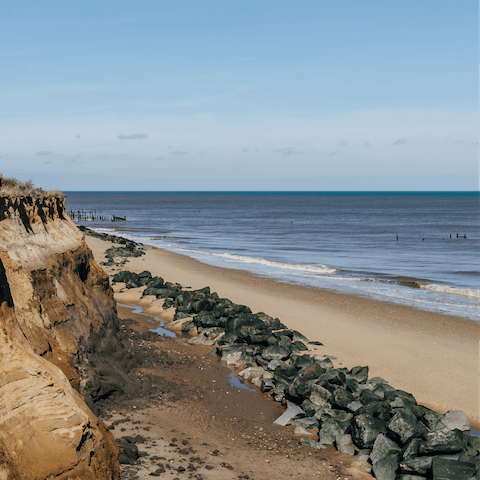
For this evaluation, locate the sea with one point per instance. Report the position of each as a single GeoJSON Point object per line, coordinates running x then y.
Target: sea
{"type": "Point", "coordinates": [420, 249]}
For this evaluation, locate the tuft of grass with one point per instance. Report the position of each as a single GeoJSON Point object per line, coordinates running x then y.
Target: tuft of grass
{"type": "Point", "coordinates": [12, 187]}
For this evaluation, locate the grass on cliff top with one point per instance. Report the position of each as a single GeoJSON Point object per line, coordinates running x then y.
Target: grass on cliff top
{"type": "Point", "coordinates": [12, 187]}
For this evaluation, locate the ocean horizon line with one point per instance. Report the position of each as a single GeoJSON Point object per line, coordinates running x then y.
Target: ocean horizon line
{"type": "Point", "coordinates": [289, 192]}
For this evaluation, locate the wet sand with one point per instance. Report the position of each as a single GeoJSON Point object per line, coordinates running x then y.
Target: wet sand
{"type": "Point", "coordinates": [200, 422]}
{"type": "Point", "coordinates": [432, 356]}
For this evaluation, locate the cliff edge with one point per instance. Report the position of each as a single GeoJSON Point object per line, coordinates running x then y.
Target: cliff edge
{"type": "Point", "coordinates": [53, 299]}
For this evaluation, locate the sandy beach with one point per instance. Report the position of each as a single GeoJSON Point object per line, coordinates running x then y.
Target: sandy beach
{"type": "Point", "coordinates": [432, 356]}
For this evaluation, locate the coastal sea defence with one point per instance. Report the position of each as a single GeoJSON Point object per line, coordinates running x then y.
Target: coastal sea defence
{"type": "Point", "coordinates": [55, 305]}
{"type": "Point", "coordinates": [385, 428]}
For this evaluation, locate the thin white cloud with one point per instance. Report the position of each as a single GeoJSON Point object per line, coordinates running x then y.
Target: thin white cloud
{"type": "Point", "coordinates": [44, 153]}
{"type": "Point", "coordinates": [133, 136]}
{"type": "Point", "coordinates": [292, 151]}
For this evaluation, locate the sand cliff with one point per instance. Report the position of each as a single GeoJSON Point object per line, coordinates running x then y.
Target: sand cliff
{"type": "Point", "coordinates": [53, 297]}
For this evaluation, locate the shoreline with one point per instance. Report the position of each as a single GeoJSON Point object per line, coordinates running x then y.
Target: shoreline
{"type": "Point", "coordinates": [432, 356]}
{"type": "Point", "coordinates": [460, 292]}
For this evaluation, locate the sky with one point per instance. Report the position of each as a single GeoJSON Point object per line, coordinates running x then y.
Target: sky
{"type": "Point", "coordinates": [213, 95]}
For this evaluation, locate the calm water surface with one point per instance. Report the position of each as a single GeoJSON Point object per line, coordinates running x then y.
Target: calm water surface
{"type": "Point", "coordinates": [339, 241]}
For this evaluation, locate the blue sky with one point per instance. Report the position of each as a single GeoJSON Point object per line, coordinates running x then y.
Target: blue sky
{"type": "Point", "coordinates": [248, 95]}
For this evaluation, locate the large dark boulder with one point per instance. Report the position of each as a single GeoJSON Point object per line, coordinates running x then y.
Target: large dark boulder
{"type": "Point", "coordinates": [387, 468]}
{"type": "Point", "coordinates": [383, 447]}
{"type": "Point", "coordinates": [443, 441]}
{"type": "Point", "coordinates": [341, 398]}
{"type": "Point", "coordinates": [208, 321]}
{"type": "Point", "coordinates": [276, 353]}
{"type": "Point", "coordinates": [359, 373]}
{"type": "Point", "coordinates": [366, 429]}
{"type": "Point", "coordinates": [443, 469]}
{"type": "Point", "coordinates": [330, 430]}
{"type": "Point", "coordinates": [404, 425]}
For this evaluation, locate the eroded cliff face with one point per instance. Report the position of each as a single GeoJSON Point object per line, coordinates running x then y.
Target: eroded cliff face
{"type": "Point", "coordinates": [53, 297]}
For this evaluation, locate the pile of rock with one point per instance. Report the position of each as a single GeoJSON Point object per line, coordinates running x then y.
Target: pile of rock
{"type": "Point", "coordinates": [117, 255]}
{"type": "Point", "coordinates": [384, 427]}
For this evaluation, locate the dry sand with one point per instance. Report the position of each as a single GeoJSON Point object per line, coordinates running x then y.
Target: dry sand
{"type": "Point", "coordinates": [435, 357]}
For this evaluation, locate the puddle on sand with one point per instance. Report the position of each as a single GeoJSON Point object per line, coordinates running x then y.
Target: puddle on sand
{"type": "Point", "coordinates": [234, 381]}
{"type": "Point", "coordinates": [159, 329]}
{"type": "Point", "coordinates": [474, 433]}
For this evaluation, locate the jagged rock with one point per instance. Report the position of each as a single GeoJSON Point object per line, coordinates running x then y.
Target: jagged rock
{"type": "Point", "coordinates": [471, 452]}
{"type": "Point", "coordinates": [354, 406]}
{"type": "Point", "coordinates": [443, 469]}
{"type": "Point", "coordinates": [252, 374]}
{"type": "Point", "coordinates": [341, 398]}
{"type": "Point", "coordinates": [188, 326]}
{"type": "Point", "coordinates": [345, 444]}
{"type": "Point", "coordinates": [363, 455]}
{"type": "Point", "coordinates": [417, 465]}
{"type": "Point", "coordinates": [308, 407]}
{"type": "Point", "coordinates": [289, 414]}
{"type": "Point", "coordinates": [383, 447]}
{"type": "Point", "coordinates": [326, 364]}
{"type": "Point", "coordinates": [391, 395]}
{"type": "Point", "coordinates": [301, 361]}
{"type": "Point", "coordinates": [127, 450]}
{"type": "Point", "coordinates": [273, 364]}
{"type": "Point", "coordinates": [339, 415]}
{"type": "Point", "coordinates": [228, 339]}
{"type": "Point", "coordinates": [386, 469]}
{"type": "Point", "coordinates": [359, 373]}
{"type": "Point", "coordinates": [275, 353]}
{"type": "Point", "coordinates": [474, 442]}
{"type": "Point", "coordinates": [330, 430]}
{"type": "Point", "coordinates": [401, 403]}
{"type": "Point", "coordinates": [381, 388]}
{"type": "Point", "coordinates": [181, 316]}
{"type": "Point", "coordinates": [411, 449]}
{"type": "Point", "coordinates": [366, 429]}
{"type": "Point", "coordinates": [319, 395]}
{"type": "Point", "coordinates": [432, 420]}
{"type": "Point", "coordinates": [405, 425]}
{"type": "Point", "coordinates": [307, 422]}
{"type": "Point", "coordinates": [445, 441]}
{"type": "Point", "coordinates": [212, 333]}
{"type": "Point", "coordinates": [230, 353]}
{"type": "Point", "coordinates": [455, 419]}
{"type": "Point", "coordinates": [299, 347]}
{"type": "Point", "coordinates": [308, 442]}
{"type": "Point", "coordinates": [298, 337]}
